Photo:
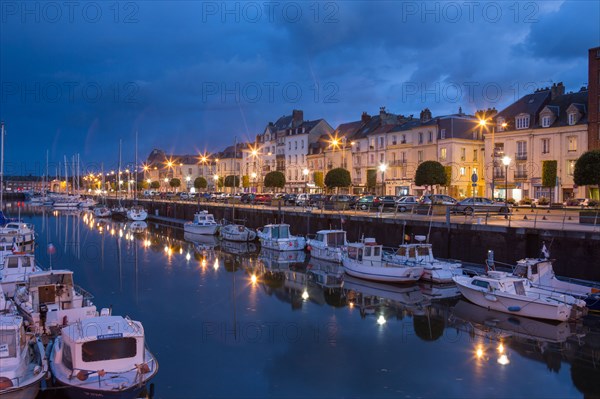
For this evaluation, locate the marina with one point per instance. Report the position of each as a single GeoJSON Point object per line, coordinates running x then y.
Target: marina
{"type": "Point", "coordinates": [278, 312]}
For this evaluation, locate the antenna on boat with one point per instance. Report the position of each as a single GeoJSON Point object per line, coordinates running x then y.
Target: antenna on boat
{"type": "Point", "coordinates": [489, 263]}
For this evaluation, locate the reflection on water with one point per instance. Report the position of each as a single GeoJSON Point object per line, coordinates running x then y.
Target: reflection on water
{"type": "Point", "coordinates": [281, 324]}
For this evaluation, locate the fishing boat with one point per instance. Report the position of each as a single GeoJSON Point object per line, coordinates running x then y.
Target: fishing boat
{"type": "Point", "coordinates": [278, 237]}
{"type": "Point", "coordinates": [15, 270]}
{"type": "Point", "coordinates": [102, 357]}
{"type": "Point", "coordinates": [138, 227]}
{"type": "Point", "coordinates": [50, 300]}
{"type": "Point", "coordinates": [365, 260]}
{"type": "Point", "coordinates": [137, 213]}
{"type": "Point", "coordinates": [327, 245]}
{"type": "Point", "coordinates": [22, 357]}
{"type": "Point", "coordinates": [237, 232]}
{"type": "Point", "coordinates": [203, 223]}
{"type": "Point", "coordinates": [102, 212]}
{"type": "Point", "coordinates": [421, 254]}
{"type": "Point", "coordinates": [504, 292]}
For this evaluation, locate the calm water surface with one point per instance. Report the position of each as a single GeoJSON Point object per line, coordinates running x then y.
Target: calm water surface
{"type": "Point", "coordinates": [298, 332]}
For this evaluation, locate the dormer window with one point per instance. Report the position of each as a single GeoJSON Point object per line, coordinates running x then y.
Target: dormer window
{"type": "Point", "coordinates": [522, 122]}
{"type": "Point", "coordinates": [546, 121]}
{"type": "Point", "coordinates": [572, 118]}
{"type": "Point", "coordinates": [500, 124]}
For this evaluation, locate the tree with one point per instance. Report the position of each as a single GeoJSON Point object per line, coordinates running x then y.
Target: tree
{"type": "Point", "coordinates": [200, 182]}
{"type": "Point", "coordinates": [338, 177]}
{"type": "Point", "coordinates": [232, 181]}
{"type": "Point", "coordinates": [371, 179]}
{"type": "Point", "coordinates": [549, 175]}
{"type": "Point", "coordinates": [275, 179]}
{"type": "Point", "coordinates": [155, 185]}
{"type": "Point", "coordinates": [318, 179]}
{"type": "Point", "coordinates": [144, 185]}
{"type": "Point", "coordinates": [245, 181]}
{"type": "Point", "coordinates": [587, 169]}
{"type": "Point", "coordinates": [174, 182]}
{"type": "Point", "coordinates": [430, 173]}
{"type": "Point", "coordinates": [220, 182]}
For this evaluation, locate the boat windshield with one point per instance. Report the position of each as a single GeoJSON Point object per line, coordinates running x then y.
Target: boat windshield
{"type": "Point", "coordinates": [108, 349]}
{"type": "Point", "coordinates": [8, 343]}
{"type": "Point", "coordinates": [49, 279]}
{"type": "Point", "coordinates": [520, 270]}
{"type": "Point", "coordinates": [280, 232]}
{"type": "Point", "coordinates": [336, 239]}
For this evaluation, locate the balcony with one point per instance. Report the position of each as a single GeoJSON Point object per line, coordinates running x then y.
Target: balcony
{"type": "Point", "coordinates": [498, 175]}
{"type": "Point", "coordinates": [398, 162]}
{"type": "Point", "coordinates": [520, 175]}
{"type": "Point", "coordinates": [521, 156]}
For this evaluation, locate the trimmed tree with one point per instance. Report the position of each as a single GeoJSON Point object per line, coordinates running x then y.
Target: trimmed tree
{"type": "Point", "coordinates": [200, 182]}
{"type": "Point", "coordinates": [338, 177]}
{"type": "Point", "coordinates": [155, 185]}
{"type": "Point", "coordinates": [175, 182]}
{"type": "Point", "coordinates": [371, 179]}
{"type": "Point", "coordinates": [144, 185]}
{"type": "Point", "coordinates": [549, 169]}
{"type": "Point", "coordinates": [430, 173]}
{"type": "Point", "coordinates": [245, 181]}
{"type": "Point", "coordinates": [275, 179]}
{"type": "Point", "coordinates": [318, 179]}
{"type": "Point", "coordinates": [232, 181]}
{"type": "Point", "coordinates": [587, 169]}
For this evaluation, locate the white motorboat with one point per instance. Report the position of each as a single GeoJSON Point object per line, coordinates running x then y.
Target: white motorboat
{"type": "Point", "coordinates": [102, 357]}
{"type": "Point", "coordinates": [407, 295]}
{"type": "Point", "coordinates": [203, 223]}
{"type": "Point", "coordinates": [278, 237]}
{"type": "Point", "coordinates": [18, 233]}
{"type": "Point", "coordinates": [276, 260]}
{"type": "Point", "coordinates": [507, 293]}
{"type": "Point", "coordinates": [22, 358]}
{"type": "Point", "coordinates": [102, 212]}
{"type": "Point", "coordinates": [434, 270]}
{"type": "Point", "coordinates": [138, 227]}
{"type": "Point", "coordinates": [237, 232]}
{"type": "Point", "coordinates": [238, 248]}
{"type": "Point", "coordinates": [50, 300]}
{"type": "Point", "coordinates": [15, 270]}
{"type": "Point", "coordinates": [87, 203]}
{"type": "Point", "coordinates": [325, 273]}
{"type": "Point", "coordinates": [327, 245]}
{"type": "Point", "coordinates": [137, 213]}
{"type": "Point", "coordinates": [65, 201]}
{"type": "Point", "coordinates": [365, 260]}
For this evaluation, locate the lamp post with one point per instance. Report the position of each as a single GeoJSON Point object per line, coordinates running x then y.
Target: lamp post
{"type": "Point", "coordinates": [506, 161]}
{"type": "Point", "coordinates": [216, 179]}
{"type": "Point", "coordinates": [305, 173]}
{"type": "Point", "coordinates": [166, 182]}
{"type": "Point", "coordinates": [187, 181]}
{"type": "Point", "coordinates": [382, 169]}
{"type": "Point", "coordinates": [254, 180]}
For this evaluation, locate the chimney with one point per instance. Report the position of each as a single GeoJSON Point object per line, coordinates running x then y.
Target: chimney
{"type": "Point", "coordinates": [557, 90]}
{"type": "Point", "coordinates": [425, 115]}
{"type": "Point", "coordinates": [365, 117]}
{"type": "Point", "coordinates": [460, 111]}
{"type": "Point", "coordinates": [297, 118]}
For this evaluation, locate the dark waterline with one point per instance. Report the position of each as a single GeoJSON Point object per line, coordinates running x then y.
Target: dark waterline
{"type": "Point", "coordinates": [216, 334]}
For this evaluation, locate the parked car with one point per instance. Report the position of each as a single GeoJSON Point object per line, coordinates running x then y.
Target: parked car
{"type": "Point", "coordinates": [407, 203]}
{"type": "Point", "coordinates": [263, 198]}
{"type": "Point", "coordinates": [437, 199]}
{"type": "Point", "coordinates": [340, 198]}
{"type": "Point", "coordinates": [480, 204]}
{"type": "Point", "coordinates": [247, 198]}
{"type": "Point", "coordinates": [302, 199]}
{"type": "Point", "coordinates": [577, 202]}
{"type": "Point", "coordinates": [184, 196]}
{"type": "Point", "coordinates": [316, 199]}
{"type": "Point", "coordinates": [289, 199]}
{"type": "Point", "coordinates": [388, 201]}
{"type": "Point", "coordinates": [170, 195]}
{"type": "Point", "coordinates": [366, 202]}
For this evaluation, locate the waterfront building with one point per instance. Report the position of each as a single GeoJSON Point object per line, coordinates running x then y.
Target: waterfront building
{"type": "Point", "coordinates": [162, 168]}
{"type": "Point", "coordinates": [594, 98]}
{"type": "Point", "coordinates": [547, 125]}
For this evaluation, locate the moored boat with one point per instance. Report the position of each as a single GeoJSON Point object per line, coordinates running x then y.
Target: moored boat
{"type": "Point", "coordinates": [137, 213]}
{"type": "Point", "coordinates": [203, 223]}
{"type": "Point", "coordinates": [279, 238]}
{"type": "Point", "coordinates": [327, 245]}
{"type": "Point", "coordinates": [102, 212]}
{"type": "Point", "coordinates": [15, 270]}
{"type": "Point", "coordinates": [237, 232]}
{"type": "Point", "coordinates": [365, 260]}
{"type": "Point", "coordinates": [102, 357]}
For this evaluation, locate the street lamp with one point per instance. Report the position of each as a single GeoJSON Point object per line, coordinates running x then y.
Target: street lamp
{"type": "Point", "coordinates": [253, 175]}
{"type": "Point", "coordinates": [216, 179]}
{"type": "Point", "coordinates": [506, 161]}
{"type": "Point", "coordinates": [187, 180]}
{"type": "Point", "coordinates": [382, 168]}
{"type": "Point", "coordinates": [305, 173]}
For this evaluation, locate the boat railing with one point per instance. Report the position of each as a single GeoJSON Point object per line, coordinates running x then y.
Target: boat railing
{"type": "Point", "coordinates": [87, 296]}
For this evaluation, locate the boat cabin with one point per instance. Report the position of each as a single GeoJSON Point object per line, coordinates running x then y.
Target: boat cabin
{"type": "Point", "coordinates": [501, 281]}
{"type": "Point", "coordinates": [415, 253]}
{"type": "Point", "coordinates": [535, 270]}
{"type": "Point", "coordinates": [12, 342]}
{"type": "Point", "coordinates": [368, 250]}
{"type": "Point", "coordinates": [277, 231]}
{"type": "Point", "coordinates": [331, 238]}
{"type": "Point", "coordinates": [109, 343]}
{"type": "Point", "coordinates": [14, 270]}
{"type": "Point", "coordinates": [204, 218]}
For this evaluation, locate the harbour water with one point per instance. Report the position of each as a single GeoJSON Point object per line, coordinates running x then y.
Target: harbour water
{"type": "Point", "coordinates": [299, 330]}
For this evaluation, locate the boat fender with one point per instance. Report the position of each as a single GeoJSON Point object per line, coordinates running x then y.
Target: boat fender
{"type": "Point", "coordinates": [5, 383]}
{"type": "Point", "coordinates": [65, 320]}
{"type": "Point", "coordinates": [82, 375]}
{"type": "Point", "coordinates": [101, 373]}
{"type": "Point", "coordinates": [309, 248]}
{"type": "Point", "coordinates": [143, 368]}
{"type": "Point", "coordinates": [514, 308]}
{"type": "Point", "coordinates": [37, 370]}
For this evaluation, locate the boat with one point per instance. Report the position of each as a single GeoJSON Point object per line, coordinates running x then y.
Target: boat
{"type": "Point", "coordinates": [540, 273]}
{"type": "Point", "coordinates": [102, 357]}
{"type": "Point", "coordinates": [137, 213]}
{"type": "Point", "coordinates": [102, 212]}
{"type": "Point", "coordinates": [365, 260]}
{"type": "Point", "coordinates": [19, 233]}
{"type": "Point", "coordinates": [50, 300]}
{"type": "Point", "coordinates": [65, 201]}
{"type": "Point", "coordinates": [15, 270]}
{"type": "Point", "coordinates": [119, 213]}
{"type": "Point", "coordinates": [278, 237]}
{"type": "Point", "coordinates": [421, 254]}
{"type": "Point", "coordinates": [237, 232]}
{"type": "Point", "coordinates": [22, 357]}
{"type": "Point", "coordinates": [278, 260]}
{"type": "Point", "coordinates": [203, 223]}
{"type": "Point", "coordinates": [87, 203]}
{"type": "Point", "coordinates": [138, 227]}
{"type": "Point", "coordinates": [408, 296]}
{"type": "Point", "coordinates": [327, 245]}
{"type": "Point", "coordinates": [238, 248]}
{"type": "Point", "coordinates": [325, 273]}
{"type": "Point", "coordinates": [504, 292]}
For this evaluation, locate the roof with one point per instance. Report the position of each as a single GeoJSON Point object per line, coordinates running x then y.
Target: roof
{"type": "Point", "coordinates": [530, 104]}
{"type": "Point", "coordinates": [103, 327]}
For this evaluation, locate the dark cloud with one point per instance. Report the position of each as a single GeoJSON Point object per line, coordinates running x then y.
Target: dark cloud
{"type": "Point", "coordinates": [192, 75]}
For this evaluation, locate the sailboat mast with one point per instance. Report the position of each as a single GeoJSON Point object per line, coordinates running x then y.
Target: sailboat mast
{"type": "Point", "coordinates": [119, 176]}
{"type": "Point", "coordinates": [136, 167]}
{"type": "Point", "coordinates": [2, 167]}
{"type": "Point", "coordinates": [44, 189]}
{"type": "Point", "coordinates": [66, 176]}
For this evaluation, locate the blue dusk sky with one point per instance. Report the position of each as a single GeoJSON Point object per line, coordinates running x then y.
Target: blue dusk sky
{"type": "Point", "coordinates": [191, 76]}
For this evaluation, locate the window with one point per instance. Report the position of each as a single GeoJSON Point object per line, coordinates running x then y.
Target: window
{"type": "Point", "coordinates": [545, 146]}
{"type": "Point", "coordinates": [500, 124]}
{"type": "Point", "coordinates": [419, 156]}
{"type": "Point", "coordinates": [521, 150]}
{"type": "Point", "coordinates": [108, 349]}
{"type": "Point", "coordinates": [372, 158]}
{"type": "Point", "coordinates": [474, 155]}
{"type": "Point", "coordinates": [570, 167]}
{"type": "Point", "coordinates": [381, 158]}
{"type": "Point", "coordinates": [443, 134]}
{"type": "Point", "coordinates": [381, 142]}
{"type": "Point", "coordinates": [522, 122]}
{"type": "Point", "coordinates": [521, 172]}
{"type": "Point", "coordinates": [372, 146]}
{"type": "Point", "coordinates": [295, 145]}
{"type": "Point", "coordinates": [462, 170]}
{"type": "Point", "coordinates": [572, 118]}
{"type": "Point", "coordinates": [296, 158]}
{"type": "Point", "coordinates": [393, 140]}
{"type": "Point", "coordinates": [572, 140]}
{"type": "Point", "coordinates": [463, 155]}
{"type": "Point", "coordinates": [404, 139]}
{"type": "Point", "coordinates": [420, 138]}
{"type": "Point", "coordinates": [302, 144]}
{"type": "Point", "coordinates": [546, 121]}
{"type": "Point", "coordinates": [289, 145]}
{"type": "Point", "coordinates": [430, 136]}
{"type": "Point", "coordinates": [442, 154]}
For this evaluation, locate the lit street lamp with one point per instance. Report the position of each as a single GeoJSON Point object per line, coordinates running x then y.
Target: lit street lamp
{"type": "Point", "coordinates": [382, 169]}
{"type": "Point", "coordinates": [506, 161]}
{"type": "Point", "coordinates": [305, 173]}
{"type": "Point", "coordinates": [254, 180]}
{"type": "Point", "coordinates": [187, 180]}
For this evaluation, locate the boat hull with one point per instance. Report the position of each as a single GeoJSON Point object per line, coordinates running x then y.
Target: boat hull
{"type": "Point", "coordinates": [326, 253]}
{"type": "Point", "coordinates": [295, 244]}
{"type": "Point", "coordinates": [236, 234]}
{"type": "Point", "coordinates": [137, 216]}
{"type": "Point", "coordinates": [389, 274]}
{"type": "Point", "coordinates": [203, 230]}
{"type": "Point", "coordinates": [26, 392]}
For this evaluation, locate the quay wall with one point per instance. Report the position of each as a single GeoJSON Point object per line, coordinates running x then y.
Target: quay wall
{"type": "Point", "coordinates": [577, 253]}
